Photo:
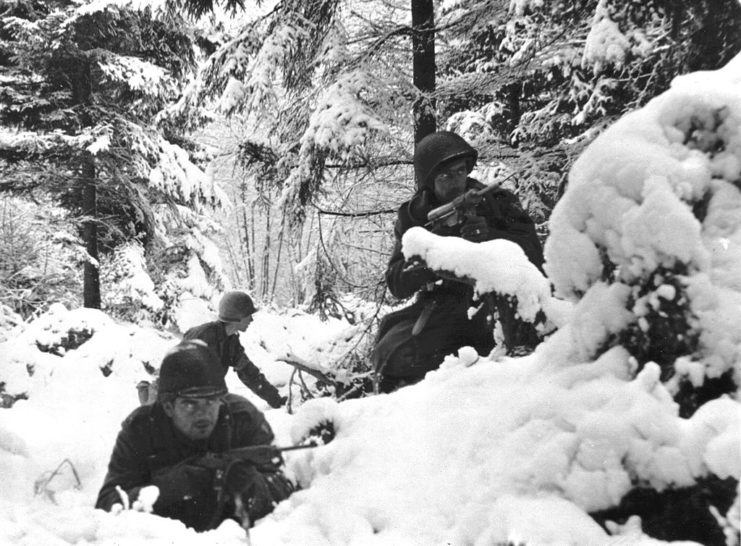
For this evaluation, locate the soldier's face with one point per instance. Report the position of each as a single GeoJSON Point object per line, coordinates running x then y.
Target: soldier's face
{"type": "Point", "coordinates": [195, 417]}
{"type": "Point", "coordinates": [244, 323]}
{"type": "Point", "coordinates": [234, 327]}
{"type": "Point", "coordinates": [450, 180]}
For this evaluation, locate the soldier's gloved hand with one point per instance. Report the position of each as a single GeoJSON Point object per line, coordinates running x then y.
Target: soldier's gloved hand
{"type": "Point", "coordinates": [438, 228]}
{"type": "Point", "coordinates": [182, 481]}
{"type": "Point", "coordinates": [240, 478]}
{"type": "Point", "coordinates": [416, 268]}
{"type": "Point", "coordinates": [259, 492]}
{"type": "Point", "coordinates": [475, 229]}
{"type": "Point", "coordinates": [275, 400]}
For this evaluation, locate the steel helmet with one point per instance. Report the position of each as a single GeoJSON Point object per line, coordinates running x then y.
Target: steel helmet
{"type": "Point", "coordinates": [438, 148]}
{"type": "Point", "coordinates": [190, 369]}
{"type": "Point", "coordinates": [234, 306]}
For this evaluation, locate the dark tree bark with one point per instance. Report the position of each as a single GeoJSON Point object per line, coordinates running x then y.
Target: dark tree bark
{"type": "Point", "coordinates": [423, 66]}
{"type": "Point", "coordinates": [717, 38]}
{"type": "Point", "coordinates": [91, 276]}
{"type": "Point", "coordinates": [81, 92]}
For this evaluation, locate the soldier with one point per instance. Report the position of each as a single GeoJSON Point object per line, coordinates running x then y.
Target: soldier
{"type": "Point", "coordinates": [415, 340]}
{"type": "Point", "coordinates": [180, 444]}
{"type": "Point", "coordinates": [235, 315]}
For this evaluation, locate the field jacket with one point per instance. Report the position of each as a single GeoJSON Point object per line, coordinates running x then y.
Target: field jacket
{"type": "Point", "coordinates": [231, 354]}
{"type": "Point", "coordinates": [149, 442]}
{"type": "Point", "coordinates": [505, 218]}
{"type": "Point", "coordinates": [414, 340]}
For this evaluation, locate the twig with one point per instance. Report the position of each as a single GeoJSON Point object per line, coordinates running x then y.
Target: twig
{"type": "Point", "coordinates": [355, 214]}
{"type": "Point", "coordinates": [38, 488]}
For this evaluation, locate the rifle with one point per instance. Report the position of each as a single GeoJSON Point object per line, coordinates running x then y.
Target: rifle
{"type": "Point", "coordinates": [221, 463]}
{"type": "Point", "coordinates": [461, 207]}
{"type": "Point", "coordinates": [300, 366]}
{"type": "Point", "coordinates": [260, 455]}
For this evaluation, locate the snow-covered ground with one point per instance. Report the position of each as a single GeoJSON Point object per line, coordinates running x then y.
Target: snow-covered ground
{"type": "Point", "coordinates": [482, 451]}
{"type": "Point", "coordinates": [487, 449]}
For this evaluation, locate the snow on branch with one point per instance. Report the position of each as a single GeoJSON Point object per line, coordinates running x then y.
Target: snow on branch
{"type": "Point", "coordinates": [633, 193]}
{"type": "Point", "coordinates": [33, 143]}
{"type": "Point", "coordinates": [138, 75]}
{"type": "Point", "coordinates": [254, 88]}
{"type": "Point", "coordinates": [157, 6]}
{"type": "Point", "coordinates": [609, 45]}
{"type": "Point", "coordinates": [520, 7]}
{"type": "Point", "coordinates": [342, 121]}
{"type": "Point", "coordinates": [494, 266]}
{"type": "Point", "coordinates": [605, 44]}
{"type": "Point", "coordinates": [243, 74]}
{"type": "Point", "coordinates": [338, 128]}
{"type": "Point", "coordinates": [176, 175]}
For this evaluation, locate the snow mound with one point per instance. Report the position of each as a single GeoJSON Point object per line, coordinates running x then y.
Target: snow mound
{"type": "Point", "coordinates": [653, 209]}
{"type": "Point", "coordinates": [496, 452]}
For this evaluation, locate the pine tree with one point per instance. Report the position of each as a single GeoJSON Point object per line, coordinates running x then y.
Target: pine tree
{"type": "Point", "coordinates": [83, 100]}
{"type": "Point", "coordinates": [535, 81]}
{"type": "Point", "coordinates": [331, 96]}
{"type": "Point", "coordinates": [326, 92]}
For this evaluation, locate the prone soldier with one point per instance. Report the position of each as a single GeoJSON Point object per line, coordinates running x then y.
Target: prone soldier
{"type": "Point", "coordinates": [181, 444]}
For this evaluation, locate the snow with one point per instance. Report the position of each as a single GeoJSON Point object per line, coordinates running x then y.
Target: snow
{"type": "Point", "coordinates": [139, 75]}
{"type": "Point", "coordinates": [497, 265]}
{"type": "Point", "coordinates": [341, 120]}
{"type": "Point", "coordinates": [519, 7]}
{"type": "Point", "coordinates": [487, 449]}
{"type": "Point", "coordinates": [605, 44]}
{"type": "Point", "coordinates": [234, 93]}
{"type": "Point", "coordinates": [102, 143]}
{"type": "Point", "coordinates": [101, 5]}
{"type": "Point", "coordinates": [176, 175]}
{"type": "Point", "coordinates": [487, 460]}
{"type": "Point", "coordinates": [632, 195]}
{"type": "Point", "coordinates": [132, 283]}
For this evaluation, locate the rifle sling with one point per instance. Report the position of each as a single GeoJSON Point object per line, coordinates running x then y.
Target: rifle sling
{"type": "Point", "coordinates": [424, 317]}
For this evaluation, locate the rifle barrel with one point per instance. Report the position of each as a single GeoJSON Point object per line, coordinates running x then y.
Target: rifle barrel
{"type": "Point", "coordinates": [495, 184]}
{"type": "Point", "coordinates": [293, 448]}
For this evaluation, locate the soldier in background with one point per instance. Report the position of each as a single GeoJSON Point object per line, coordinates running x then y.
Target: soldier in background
{"type": "Point", "coordinates": [414, 340]}
{"type": "Point", "coordinates": [222, 336]}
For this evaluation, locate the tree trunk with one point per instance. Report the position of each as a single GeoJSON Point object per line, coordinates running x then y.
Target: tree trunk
{"type": "Point", "coordinates": [91, 277]}
{"type": "Point", "coordinates": [81, 92]}
{"type": "Point", "coordinates": [716, 39]}
{"type": "Point", "coordinates": [265, 269]}
{"type": "Point", "coordinates": [423, 67]}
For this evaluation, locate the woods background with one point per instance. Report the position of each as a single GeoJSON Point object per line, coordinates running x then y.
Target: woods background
{"type": "Point", "coordinates": [266, 146]}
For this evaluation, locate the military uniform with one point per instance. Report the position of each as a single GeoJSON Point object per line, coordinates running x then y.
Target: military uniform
{"type": "Point", "coordinates": [149, 444]}
{"type": "Point", "coordinates": [414, 340]}
{"type": "Point", "coordinates": [231, 354]}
